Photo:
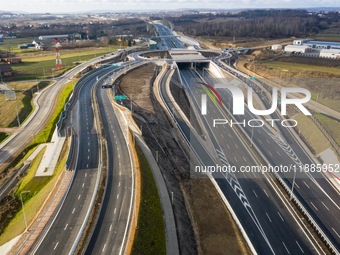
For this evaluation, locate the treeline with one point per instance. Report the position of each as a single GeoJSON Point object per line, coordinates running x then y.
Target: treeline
{"type": "Point", "coordinates": [255, 23]}
{"type": "Point", "coordinates": [135, 26]}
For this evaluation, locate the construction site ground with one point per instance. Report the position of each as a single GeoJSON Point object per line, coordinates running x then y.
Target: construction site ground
{"type": "Point", "coordinates": [198, 209]}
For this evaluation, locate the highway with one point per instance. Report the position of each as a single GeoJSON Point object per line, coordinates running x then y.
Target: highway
{"type": "Point", "coordinates": [266, 220]}
{"type": "Point", "coordinates": [67, 224]}
{"type": "Point", "coordinates": [110, 229]}
{"type": "Point", "coordinates": [19, 141]}
{"type": "Point", "coordinates": [168, 42]}
{"type": "Point", "coordinates": [313, 190]}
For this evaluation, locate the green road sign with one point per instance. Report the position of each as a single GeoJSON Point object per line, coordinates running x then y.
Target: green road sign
{"type": "Point", "coordinates": [116, 64]}
{"type": "Point", "coordinates": [120, 97]}
{"type": "Point", "coordinates": [279, 101]}
{"type": "Point", "coordinates": [252, 78]}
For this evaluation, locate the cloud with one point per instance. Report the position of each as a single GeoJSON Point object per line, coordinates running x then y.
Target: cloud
{"type": "Point", "coordinates": [66, 6]}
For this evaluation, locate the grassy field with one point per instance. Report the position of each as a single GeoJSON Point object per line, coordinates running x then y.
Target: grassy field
{"type": "Point", "coordinates": [41, 64]}
{"type": "Point", "coordinates": [331, 125]}
{"type": "Point", "coordinates": [297, 68]}
{"type": "Point", "coordinates": [313, 134]}
{"type": "Point", "coordinates": [44, 66]}
{"type": "Point", "coordinates": [12, 44]}
{"type": "Point", "coordinates": [328, 37]}
{"type": "Point", "coordinates": [150, 236]}
{"type": "Point", "coordinates": [40, 188]}
{"type": "Point", "coordinates": [23, 104]}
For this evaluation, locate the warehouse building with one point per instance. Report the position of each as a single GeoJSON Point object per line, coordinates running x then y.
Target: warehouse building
{"type": "Point", "coordinates": [331, 53]}
{"type": "Point", "coordinates": [52, 37]}
{"type": "Point", "coordinates": [297, 48]}
{"type": "Point", "coordinates": [317, 45]}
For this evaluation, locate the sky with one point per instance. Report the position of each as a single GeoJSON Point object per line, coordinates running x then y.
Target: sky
{"type": "Point", "coordinates": [74, 6]}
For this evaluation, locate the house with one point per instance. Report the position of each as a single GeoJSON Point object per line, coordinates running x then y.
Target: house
{"type": "Point", "coordinates": [38, 44]}
{"type": "Point", "coordinates": [11, 36]}
{"type": "Point", "coordinates": [6, 70]}
{"type": "Point", "coordinates": [137, 40]}
{"type": "Point", "coordinates": [13, 60]}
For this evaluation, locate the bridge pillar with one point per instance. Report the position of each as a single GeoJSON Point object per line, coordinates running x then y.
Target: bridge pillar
{"type": "Point", "coordinates": [192, 65]}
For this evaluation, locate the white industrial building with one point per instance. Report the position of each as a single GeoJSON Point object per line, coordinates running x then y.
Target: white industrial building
{"type": "Point", "coordinates": [317, 45]}
{"type": "Point", "coordinates": [52, 37]}
{"type": "Point", "coordinates": [298, 48]}
{"type": "Point", "coordinates": [331, 53]}
{"type": "Point", "coordinates": [276, 47]}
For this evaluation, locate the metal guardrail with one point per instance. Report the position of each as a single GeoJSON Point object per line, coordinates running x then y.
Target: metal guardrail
{"type": "Point", "coordinates": [71, 150]}
{"type": "Point", "coordinates": [244, 234]}
{"type": "Point", "coordinates": [96, 113]}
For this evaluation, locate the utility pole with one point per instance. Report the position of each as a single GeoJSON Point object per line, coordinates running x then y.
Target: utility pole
{"type": "Point", "coordinates": [44, 72]}
{"type": "Point", "coordinates": [316, 101]}
{"type": "Point", "coordinates": [291, 194]}
{"type": "Point", "coordinates": [23, 209]}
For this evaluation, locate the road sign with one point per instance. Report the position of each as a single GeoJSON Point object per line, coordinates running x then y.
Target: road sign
{"type": "Point", "coordinates": [120, 97]}
{"type": "Point", "coordinates": [279, 101]}
{"type": "Point", "coordinates": [252, 78]}
{"type": "Point", "coordinates": [116, 64]}
{"type": "Point", "coordinates": [97, 78]}
{"type": "Point", "coordinates": [106, 86]}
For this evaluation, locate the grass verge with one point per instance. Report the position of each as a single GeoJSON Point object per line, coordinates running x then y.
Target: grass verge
{"type": "Point", "coordinates": [4, 136]}
{"type": "Point", "coordinates": [296, 68]}
{"type": "Point", "coordinates": [313, 134]}
{"type": "Point", "coordinates": [17, 224]}
{"type": "Point", "coordinates": [40, 188]}
{"type": "Point", "coordinates": [150, 235]}
{"type": "Point", "coordinates": [331, 125]}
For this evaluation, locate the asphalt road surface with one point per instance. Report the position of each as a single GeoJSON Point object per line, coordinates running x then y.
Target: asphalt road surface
{"type": "Point", "coordinates": [313, 190]}
{"type": "Point", "coordinates": [266, 220]}
{"type": "Point", "coordinates": [64, 231]}
{"type": "Point", "coordinates": [113, 219]}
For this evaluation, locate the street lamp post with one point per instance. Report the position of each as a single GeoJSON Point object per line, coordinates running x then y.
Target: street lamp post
{"type": "Point", "coordinates": [23, 209]}
{"type": "Point", "coordinates": [291, 194]}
